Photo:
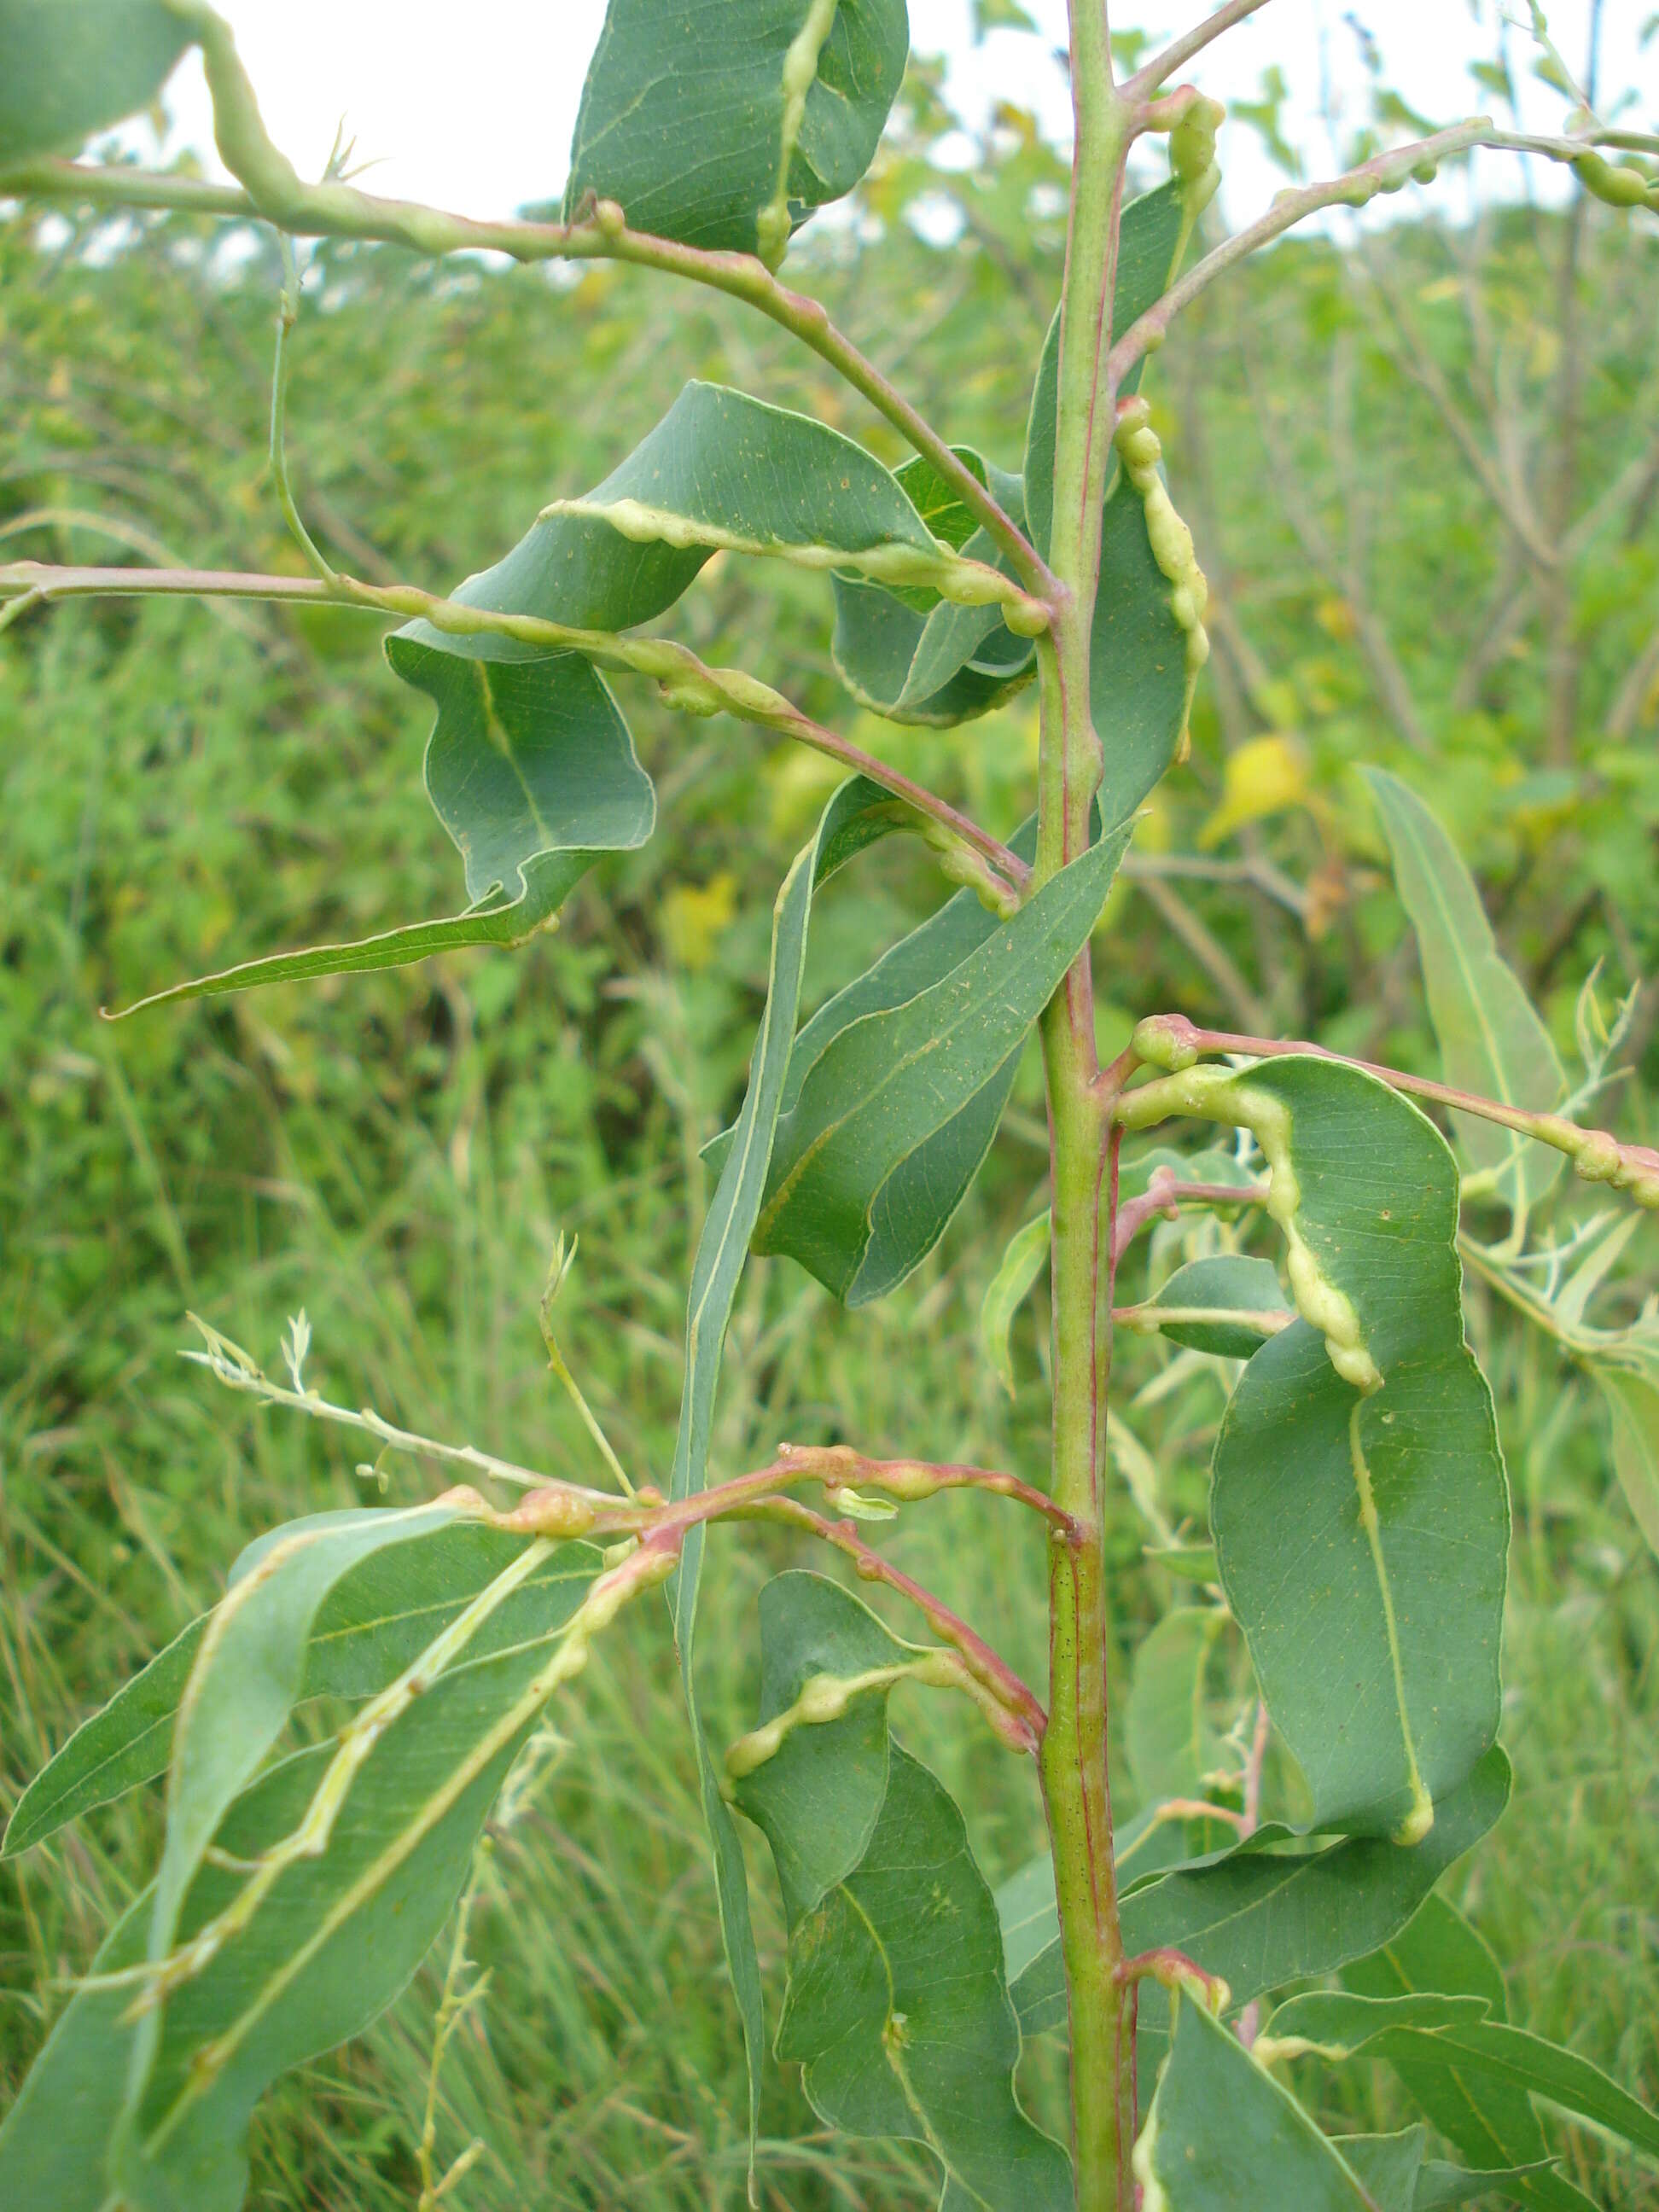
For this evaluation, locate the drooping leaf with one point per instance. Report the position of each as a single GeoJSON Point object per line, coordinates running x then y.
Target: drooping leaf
{"type": "Point", "coordinates": [1172, 1743]}
{"type": "Point", "coordinates": [723, 123]}
{"type": "Point", "coordinates": [1221, 2133]}
{"type": "Point", "coordinates": [1226, 1282]}
{"type": "Point", "coordinates": [1491, 1039]}
{"type": "Point", "coordinates": [310, 1944]}
{"type": "Point", "coordinates": [1358, 1501]}
{"type": "Point", "coordinates": [377, 1618]}
{"type": "Point", "coordinates": [858, 814]}
{"type": "Point", "coordinates": [897, 2010]}
{"type": "Point", "coordinates": [1022, 1263]}
{"type": "Point", "coordinates": [892, 1112]}
{"type": "Point", "coordinates": [1263, 1915]}
{"type": "Point", "coordinates": [1492, 2123]}
{"type": "Point", "coordinates": [1455, 2032]}
{"type": "Point", "coordinates": [532, 771]}
{"type": "Point", "coordinates": [1633, 1403]}
{"type": "Point", "coordinates": [70, 67]}
{"type": "Point", "coordinates": [246, 1677]}
{"type": "Point", "coordinates": [913, 657]}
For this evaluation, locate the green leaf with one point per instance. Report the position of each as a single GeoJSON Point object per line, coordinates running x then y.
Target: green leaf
{"type": "Point", "coordinates": [722, 471]}
{"type": "Point", "coordinates": [1389, 2168]}
{"type": "Point", "coordinates": [1492, 1041]}
{"type": "Point", "coordinates": [892, 1112]}
{"type": "Point", "coordinates": [858, 814]}
{"type": "Point", "coordinates": [1633, 1402]}
{"type": "Point", "coordinates": [1492, 2123]}
{"type": "Point", "coordinates": [1227, 1282]}
{"type": "Point", "coordinates": [914, 657]}
{"type": "Point", "coordinates": [1262, 1914]}
{"type": "Point", "coordinates": [1221, 2133]}
{"type": "Point", "coordinates": [1441, 2185]}
{"type": "Point", "coordinates": [531, 770]}
{"type": "Point", "coordinates": [306, 1944]}
{"type": "Point", "coordinates": [70, 67]}
{"type": "Point", "coordinates": [1009, 1288]}
{"type": "Point", "coordinates": [1358, 1501]}
{"type": "Point", "coordinates": [897, 2010]}
{"type": "Point", "coordinates": [1454, 2031]}
{"type": "Point", "coordinates": [247, 1676]}
{"type": "Point", "coordinates": [1171, 1742]}
{"type": "Point", "coordinates": [377, 1618]}
{"type": "Point", "coordinates": [725, 122]}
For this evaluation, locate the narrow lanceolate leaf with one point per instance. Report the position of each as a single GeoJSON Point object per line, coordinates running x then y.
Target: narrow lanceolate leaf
{"type": "Point", "coordinates": [1221, 2133]}
{"type": "Point", "coordinates": [897, 2010]}
{"type": "Point", "coordinates": [1454, 2031]}
{"type": "Point", "coordinates": [725, 122]}
{"type": "Point", "coordinates": [1022, 1263]}
{"type": "Point", "coordinates": [1263, 1915]}
{"type": "Point", "coordinates": [1633, 1402]}
{"type": "Point", "coordinates": [895, 1109]}
{"type": "Point", "coordinates": [247, 1676]}
{"type": "Point", "coordinates": [377, 1619]}
{"type": "Point", "coordinates": [532, 769]}
{"type": "Point", "coordinates": [913, 657]}
{"type": "Point", "coordinates": [1173, 1745]}
{"type": "Point", "coordinates": [1491, 2122]}
{"type": "Point", "coordinates": [1227, 1284]}
{"type": "Point", "coordinates": [1359, 1502]}
{"type": "Point", "coordinates": [1138, 672]}
{"type": "Point", "coordinates": [295, 1929]}
{"type": "Point", "coordinates": [859, 813]}
{"type": "Point", "coordinates": [70, 67]}
{"type": "Point", "coordinates": [1491, 1039]}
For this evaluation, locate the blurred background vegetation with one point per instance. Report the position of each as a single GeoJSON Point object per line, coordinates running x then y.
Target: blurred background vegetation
{"type": "Point", "coordinates": [1423, 466]}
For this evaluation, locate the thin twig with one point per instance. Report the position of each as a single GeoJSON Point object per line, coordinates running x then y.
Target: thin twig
{"type": "Point", "coordinates": [1180, 51]}
{"type": "Point", "coordinates": [674, 666]}
{"type": "Point", "coordinates": [1384, 172]}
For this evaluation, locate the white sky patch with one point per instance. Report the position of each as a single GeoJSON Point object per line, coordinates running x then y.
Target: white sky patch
{"type": "Point", "coordinates": [470, 106]}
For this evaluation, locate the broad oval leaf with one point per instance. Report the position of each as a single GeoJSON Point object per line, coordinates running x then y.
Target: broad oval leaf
{"type": "Point", "coordinates": [893, 1111]}
{"type": "Point", "coordinates": [783, 101]}
{"type": "Point", "coordinates": [1221, 2133]}
{"type": "Point", "coordinates": [897, 2010]}
{"type": "Point", "coordinates": [1358, 1499]}
{"type": "Point", "coordinates": [1264, 1914]}
{"type": "Point", "coordinates": [1491, 1039]}
{"type": "Point", "coordinates": [70, 67]}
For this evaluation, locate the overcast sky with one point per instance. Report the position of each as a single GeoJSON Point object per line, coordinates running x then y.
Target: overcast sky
{"type": "Point", "coordinates": [470, 106]}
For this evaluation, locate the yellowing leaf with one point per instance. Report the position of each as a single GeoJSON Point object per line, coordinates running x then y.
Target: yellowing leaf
{"type": "Point", "coordinates": [1263, 777]}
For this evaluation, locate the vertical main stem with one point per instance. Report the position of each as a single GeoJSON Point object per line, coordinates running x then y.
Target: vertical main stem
{"type": "Point", "coordinates": [1074, 1746]}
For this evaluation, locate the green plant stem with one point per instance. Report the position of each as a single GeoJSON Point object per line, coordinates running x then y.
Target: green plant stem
{"type": "Point", "coordinates": [1073, 1758]}
{"type": "Point", "coordinates": [686, 679]}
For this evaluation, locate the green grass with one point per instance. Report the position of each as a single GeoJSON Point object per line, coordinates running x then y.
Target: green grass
{"type": "Point", "coordinates": [397, 1154]}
